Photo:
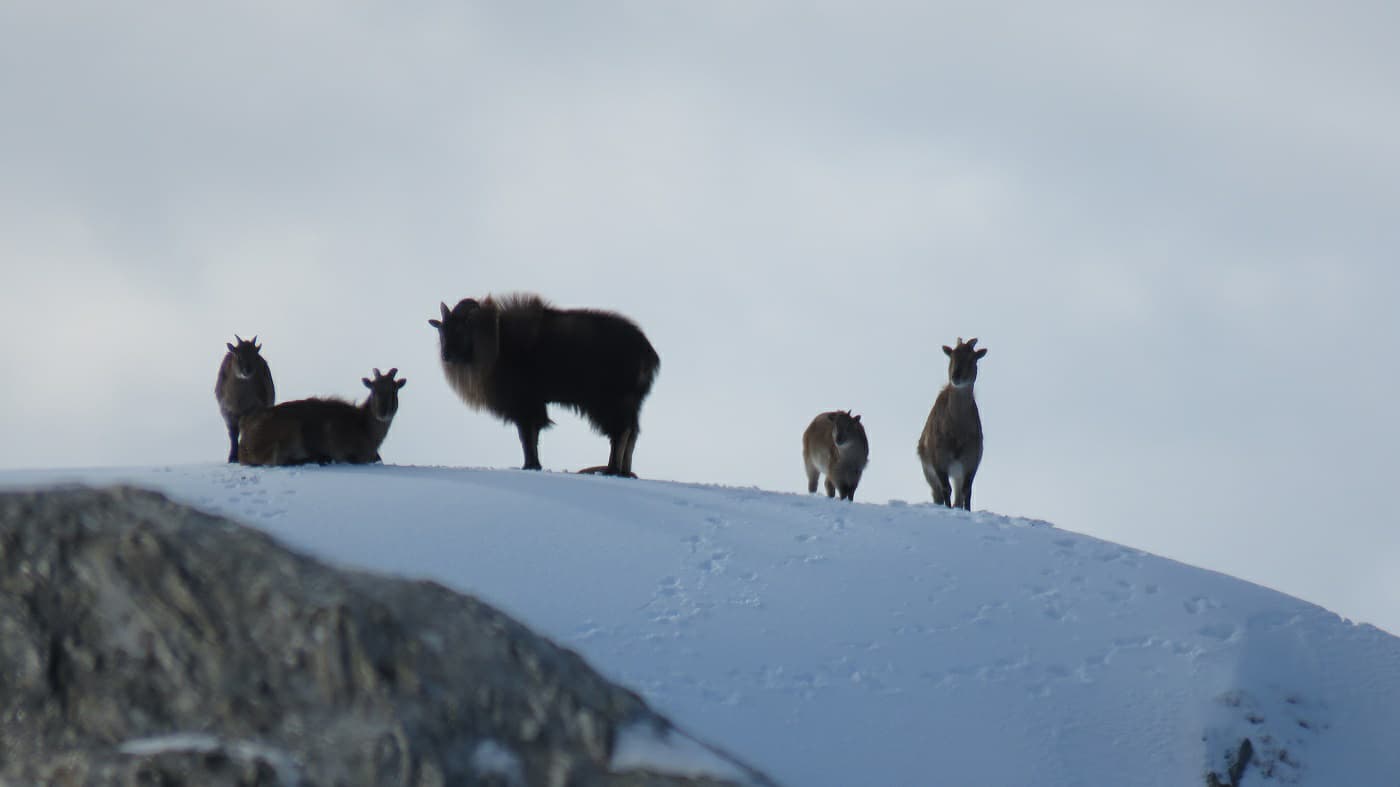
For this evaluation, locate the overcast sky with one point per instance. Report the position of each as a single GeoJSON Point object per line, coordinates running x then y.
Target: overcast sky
{"type": "Point", "coordinates": [1172, 226]}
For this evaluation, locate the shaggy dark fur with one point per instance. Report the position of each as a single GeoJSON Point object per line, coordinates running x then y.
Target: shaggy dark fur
{"type": "Point", "coordinates": [514, 355]}
{"type": "Point", "coordinates": [322, 430]}
{"type": "Point", "coordinates": [244, 386]}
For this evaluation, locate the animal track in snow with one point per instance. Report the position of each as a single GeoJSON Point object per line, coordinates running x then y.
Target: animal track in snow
{"type": "Point", "coordinates": [998, 671]}
{"type": "Point", "coordinates": [872, 676]}
{"type": "Point", "coordinates": [716, 562]}
{"type": "Point", "coordinates": [1121, 593]}
{"type": "Point", "coordinates": [710, 579]}
{"type": "Point", "coordinates": [1058, 610]}
{"type": "Point", "coordinates": [1198, 604]}
{"type": "Point", "coordinates": [244, 496]}
{"type": "Point", "coordinates": [1111, 554]}
{"type": "Point", "coordinates": [1219, 631]}
{"type": "Point", "coordinates": [1053, 603]}
{"type": "Point", "coordinates": [986, 612]}
{"type": "Point", "coordinates": [586, 630]}
{"type": "Point", "coordinates": [671, 605]}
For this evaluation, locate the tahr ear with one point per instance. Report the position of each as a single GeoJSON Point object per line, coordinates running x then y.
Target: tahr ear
{"type": "Point", "coordinates": [856, 419]}
{"type": "Point", "coordinates": [980, 353]}
{"type": "Point", "coordinates": [948, 351]}
{"type": "Point", "coordinates": [436, 324]}
{"type": "Point", "coordinates": [367, 383]}
{"type": "Point", "coordinates": [400, 383]}
{"type": "Point", "coordinates": [446, 312]}
{"type": "Point", "coordinates": [230, 347]}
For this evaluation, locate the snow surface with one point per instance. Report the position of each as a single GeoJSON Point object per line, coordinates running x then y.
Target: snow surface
{"type": "Point", "coordinates": [281, 762]}
{"type": "Point", "coordinates": [642, 746]}
{"type": "Point", "coordinates": [491, 758]}
{"type": "Point", "coordinates": [831, 643]}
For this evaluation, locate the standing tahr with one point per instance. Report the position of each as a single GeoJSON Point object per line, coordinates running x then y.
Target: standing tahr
{"type": "Point", "coordinates": [835, 445]}
{"type": "Point", "coordinates": [950, 448]}
{"type": "Point", "coordinates": [514, 355]}
{"type": "Point", "coordinates": [244, 386]}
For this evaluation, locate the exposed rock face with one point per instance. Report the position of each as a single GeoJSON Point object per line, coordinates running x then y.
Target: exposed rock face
{"type": "Point", "coordinates": [145, 643]}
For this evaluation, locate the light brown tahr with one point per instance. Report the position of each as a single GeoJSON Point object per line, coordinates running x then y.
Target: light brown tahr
{"type": "Point", "coordinates": [835, 445]}
{"type": "Point", "coordinates": [244, 386]}
{"type": "Point", "coordinates": [322, 430]}
{"type": "Point", "coordinates": [950, 448]}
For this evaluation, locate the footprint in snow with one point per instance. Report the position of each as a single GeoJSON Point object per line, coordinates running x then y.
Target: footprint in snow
{"type": "Point", "coordinates": [716, 562]}
{"type": "Point", "coordinates": [985, 612]}
{"type": "Point", "coordinates": [1199, 604]}
{"type": "Point", "coordinates": [1223, 632]}
{"type": "Point", "coordinates": [1121, 594]}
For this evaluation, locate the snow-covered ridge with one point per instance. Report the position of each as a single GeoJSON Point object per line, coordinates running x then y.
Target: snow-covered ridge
{"type": "Point", "coordinates": [642, 746]}
{"type": "Point", "coordinates": [831, 643]}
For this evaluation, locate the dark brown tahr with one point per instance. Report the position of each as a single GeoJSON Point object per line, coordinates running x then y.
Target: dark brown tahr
{"type": "Point", "coordinates": [835, 445]}
{"type": "Point", "coordinates": [244, 386]}
{"type": "Point", "coordinates": [323, 430]}
{"type": "Point", "coordinates": [512, 356]}
{"type": "Point", "coordinates": [950, 448]}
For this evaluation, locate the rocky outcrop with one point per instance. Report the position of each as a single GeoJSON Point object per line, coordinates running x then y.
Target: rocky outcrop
{"type": "Point", "coordinates": [145, 643]}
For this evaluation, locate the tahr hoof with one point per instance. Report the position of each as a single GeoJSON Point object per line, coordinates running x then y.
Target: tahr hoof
{"type": "Point", "coordinates": [605, 470]}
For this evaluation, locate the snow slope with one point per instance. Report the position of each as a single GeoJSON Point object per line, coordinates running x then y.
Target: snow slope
{"type": "Point", "coordinates": [839, 644]}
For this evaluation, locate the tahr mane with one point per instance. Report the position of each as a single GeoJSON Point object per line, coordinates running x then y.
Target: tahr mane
{"type": "Point", "coordinates": [514, 354]}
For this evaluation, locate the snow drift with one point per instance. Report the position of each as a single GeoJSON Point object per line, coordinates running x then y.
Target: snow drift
{"type": "Point", "coordinates": [836, 644]}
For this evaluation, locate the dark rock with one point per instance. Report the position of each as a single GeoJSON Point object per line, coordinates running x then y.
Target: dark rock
{"type": "Point", "coordinates": [145, 643]}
